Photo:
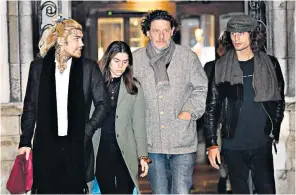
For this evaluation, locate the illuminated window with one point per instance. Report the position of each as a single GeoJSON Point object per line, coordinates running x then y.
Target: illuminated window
{"type": "Point", "coordinates": [198, 33]}
{"type": "Point", "coordinates": [136, 38]}
{"type": "Point", "coordinates": [109, 30]}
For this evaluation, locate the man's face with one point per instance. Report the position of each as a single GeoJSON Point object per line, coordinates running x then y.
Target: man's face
{"type": "Point", "coordinates": [73, 45]}
{"type": "Point", "coordinates": [160, 33]}
{"type": "Point", "coordinates": [118, 64]}
{"type": "Point", "coordinates": [240, 41]}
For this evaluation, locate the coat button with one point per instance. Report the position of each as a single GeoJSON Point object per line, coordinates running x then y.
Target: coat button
{"type": "Point", "coordinates": [116, 116]}
{"type": "Point", "coordinates": [117, 135]}
{"type": "Point", "coordinates": [122, 152]}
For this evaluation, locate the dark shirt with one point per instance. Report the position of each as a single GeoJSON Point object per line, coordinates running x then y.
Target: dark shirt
{"type": "Point", "coordinates": [108, 142]}
{"type": "Point", "coordinates": [252, 118]}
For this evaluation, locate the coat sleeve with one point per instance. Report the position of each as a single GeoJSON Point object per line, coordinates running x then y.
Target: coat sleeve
{"type": "Point", "coordinates": [28, 119]}
{"type": "Point", "coordinates": [280, 104]}
{"type": "Point", "coordinates": [196, 102]}
{"type": "Point", "coordinates": [138, 123]}
{"type": "Point", "coordinates": [100, 100]}
{"type": "Point", "coordinates": [213, 111]}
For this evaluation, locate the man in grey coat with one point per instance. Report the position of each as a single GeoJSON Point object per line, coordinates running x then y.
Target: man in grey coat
{"type": "Point", "coordinates": [175, 90]}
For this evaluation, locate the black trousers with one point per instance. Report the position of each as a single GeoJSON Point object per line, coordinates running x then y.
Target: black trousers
{"type": "Point", "coordinates": [259, 161]}
{"type": "Point", "coordinates": [112, 174]}
{"type": "Point", "coordinates": [61, 184]}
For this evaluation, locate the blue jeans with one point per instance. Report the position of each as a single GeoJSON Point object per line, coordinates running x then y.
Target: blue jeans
{"type": "Point", "coordinates": [171, 173]}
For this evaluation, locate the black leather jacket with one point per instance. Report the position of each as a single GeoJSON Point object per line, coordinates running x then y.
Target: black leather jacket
{"type": "Point", "coordinates": [224, 103]}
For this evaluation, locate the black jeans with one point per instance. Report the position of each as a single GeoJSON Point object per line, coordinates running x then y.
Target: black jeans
{"type": "Point", "coordinates": [259, 161]}
{"type": "Point", "coordinates": [112, 174]}
{"type": "Point", "coordinates": [62, 184]}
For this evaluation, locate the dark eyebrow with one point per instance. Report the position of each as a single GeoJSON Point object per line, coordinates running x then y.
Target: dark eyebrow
{"type": "Point", "coordinates": [119, 59]}
{"type": "Point", "coordinates": [76, 36]}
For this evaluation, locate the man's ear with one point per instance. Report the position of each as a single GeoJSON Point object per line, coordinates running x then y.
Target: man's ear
{"type": "Point", "coordinates": [172, 31]}
{"type": "Point", "coordinates": [148, 34]}
{"type": "Point", "coordinates": [61, 41]}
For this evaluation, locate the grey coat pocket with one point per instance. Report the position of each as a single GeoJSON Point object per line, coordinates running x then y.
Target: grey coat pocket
{"type": "Point", "coordinates": [183, 133]}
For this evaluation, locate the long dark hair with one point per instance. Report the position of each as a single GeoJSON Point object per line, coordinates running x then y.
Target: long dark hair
{"type": "Point", "coordinates": [257, 40]}
{"type": "Point", "coordinates": [104, 64]}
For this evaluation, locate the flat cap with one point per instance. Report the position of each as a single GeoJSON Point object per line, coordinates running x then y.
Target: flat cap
{"type": "Point", "coordinates": [241, 23]}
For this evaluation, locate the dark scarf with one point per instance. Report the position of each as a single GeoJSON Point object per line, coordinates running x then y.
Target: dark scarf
{"type": "Point", "coordinates": [158, 62]}
{"type": "Point", "coordinates": [264, 80]}
{"type": "Point", "coordinates": [47, 139]}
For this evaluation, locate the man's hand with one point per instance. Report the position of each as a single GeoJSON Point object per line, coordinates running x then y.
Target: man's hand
{"type": "Point", "coordinates": [144, 168]}
{"type": "Point", "coordinates": [25, 150]}
{"type": "Point", "coordinates": [185, 116]}
{"type": "Point", "coordinates": [212, 155]}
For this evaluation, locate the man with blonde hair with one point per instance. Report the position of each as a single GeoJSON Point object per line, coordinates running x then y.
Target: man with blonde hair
{"type": "Point", "coordinates": [61, 87]}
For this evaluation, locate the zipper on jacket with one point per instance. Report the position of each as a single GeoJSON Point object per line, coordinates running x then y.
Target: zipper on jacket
{"type": "Point", "coordinates": [229, 124]}
{"type": "Point", "coordinates": [270, 135]}
{"type": "Point", "coordinates": [253, 84]}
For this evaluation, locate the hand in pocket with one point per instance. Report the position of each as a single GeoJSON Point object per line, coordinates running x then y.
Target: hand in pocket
{"type": "Point", "coordinates": [185, 116]}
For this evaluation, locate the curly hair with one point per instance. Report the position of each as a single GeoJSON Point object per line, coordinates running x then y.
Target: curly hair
{"type": "Point", "coordinates": [158, 15]}
{"type": "Point", "coordinates": [257, 39]}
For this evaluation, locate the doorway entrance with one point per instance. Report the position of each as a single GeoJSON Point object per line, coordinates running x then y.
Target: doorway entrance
{"type": "Point", "coordinates": [124, 28]}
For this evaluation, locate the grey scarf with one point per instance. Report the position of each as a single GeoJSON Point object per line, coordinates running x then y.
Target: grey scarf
{"type": "Point", "coordinates": [158, 62]}
{"type": "Point", "coordinates": [264, 80]}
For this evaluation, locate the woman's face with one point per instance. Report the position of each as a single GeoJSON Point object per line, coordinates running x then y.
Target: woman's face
{"type": "Point", "coordinates": [118, 64]}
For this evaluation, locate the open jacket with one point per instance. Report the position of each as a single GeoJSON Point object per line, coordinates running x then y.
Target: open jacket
{"type": "Point", "coordinates": [130, 129]}
{"type": "Point", "coordinates": [166, 133]}
{"type": "Point", "coordinates": [94, 91]}
{"type": "Point", "coordinates": [224, 103]}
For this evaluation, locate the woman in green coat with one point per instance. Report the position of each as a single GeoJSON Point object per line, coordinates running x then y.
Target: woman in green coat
{"type": "Point", "coordinates": [123, 141]}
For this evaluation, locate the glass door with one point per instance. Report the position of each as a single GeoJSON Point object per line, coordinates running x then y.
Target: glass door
{"type": "Point", "coordinates": [109, 30]}
{"type": "Point", "coordinates": [127, 29]}
{"type": "Point", "coordinates": [136, 38]}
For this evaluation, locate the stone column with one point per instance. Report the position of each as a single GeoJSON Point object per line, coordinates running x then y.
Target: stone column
{"type": "Point", "coordinates": [14, 51]}
{"type": "Point", "coordinates": [281, 38]}
{"type": "Point", "coordinates": [291, 48]}
{"type": "Point", "coordinates": [26, 42]}
{"type": "Point", "coordinates": [66, 9]}
{"type": "Point", "coordinates": [279, 26]}
{"type": "Point", "coordinates": [5, 97]}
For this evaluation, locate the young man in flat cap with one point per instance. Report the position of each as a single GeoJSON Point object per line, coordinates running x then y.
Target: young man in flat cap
{"type": "Point", "coordinates": [246, 95]}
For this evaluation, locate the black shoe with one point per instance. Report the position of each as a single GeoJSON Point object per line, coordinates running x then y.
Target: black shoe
{"type": "Point", "coordinates": [222, 185]}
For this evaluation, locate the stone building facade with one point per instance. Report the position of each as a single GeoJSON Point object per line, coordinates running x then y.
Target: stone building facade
{"type": "Point", "coordinates": [17, 51]}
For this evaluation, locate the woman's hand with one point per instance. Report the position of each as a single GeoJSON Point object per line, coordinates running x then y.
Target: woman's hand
{"type": "Point", "coordinates": [144, 168]}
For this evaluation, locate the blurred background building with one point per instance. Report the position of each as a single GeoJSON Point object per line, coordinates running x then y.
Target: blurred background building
{"type": "Point", "coordinates": [201, 23]}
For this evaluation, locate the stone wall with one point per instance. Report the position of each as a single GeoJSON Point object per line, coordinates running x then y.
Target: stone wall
{"type": "Point", "coordinates": [281, 18]}
{"type": "Point", "coordinates": [284, 160]}
{"type": "Point", "coordinates": [10, 134]}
